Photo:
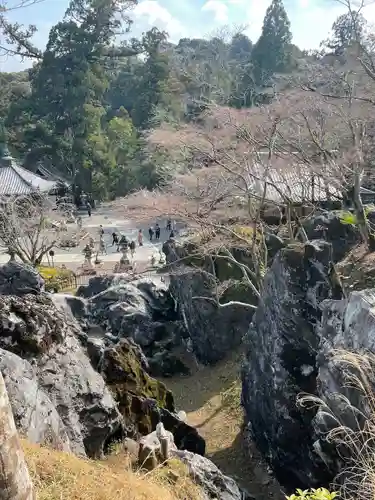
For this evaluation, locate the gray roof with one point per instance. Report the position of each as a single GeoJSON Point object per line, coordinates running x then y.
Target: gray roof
{"type": "Point", "coordinates": [16, 180]}
{"type": "Point", "coordinates": [299, 184]}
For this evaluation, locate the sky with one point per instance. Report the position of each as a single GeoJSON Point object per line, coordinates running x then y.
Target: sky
{"type": "Point", "coordinates": [311, 20]}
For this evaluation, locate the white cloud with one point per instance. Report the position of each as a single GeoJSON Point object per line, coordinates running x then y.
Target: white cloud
{"type": "Point", "coordinates": [149, 13]}
{"type": "Point", "coordinates": [219, 9]}
{"type": "Point", "coordinates": [254, 16]}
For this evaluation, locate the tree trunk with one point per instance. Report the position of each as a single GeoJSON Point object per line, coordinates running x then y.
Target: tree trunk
{"type": "Point", "coordinates": [15, 481]}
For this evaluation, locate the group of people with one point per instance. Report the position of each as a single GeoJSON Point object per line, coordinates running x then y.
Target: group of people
{"type": "Point", "coordinates": [156, 231]}
{"type": "Point", "coordinates": [122, 242]}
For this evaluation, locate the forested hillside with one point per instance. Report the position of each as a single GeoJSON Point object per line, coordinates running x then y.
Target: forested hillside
{"type": "Point", "coordinates": [88, 104]}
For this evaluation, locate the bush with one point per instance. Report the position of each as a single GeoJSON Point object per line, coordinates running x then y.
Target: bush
{"type": "Point", "coordinates": [56, 278]}
{"type": "Point", "coordinates": [313, 494]}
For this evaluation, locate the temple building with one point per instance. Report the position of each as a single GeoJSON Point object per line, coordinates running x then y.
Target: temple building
{"type": "Point", "coordinates": [16, 180]}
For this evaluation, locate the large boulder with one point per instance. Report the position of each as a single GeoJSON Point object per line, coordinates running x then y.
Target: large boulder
{"type": "Point", "coordinates": [213, 482]}
{"type": "Point", "coordinates": [35, 415]}
{"type": "Point", "coordinates": [143, 400]}
{"type": "Point", "coordinates": [332, 227]}
{"type": "Point", "coordinates": [213, 331]}
{"type": "Point", "coordinates": [19, 279]}
{"type": "Point", "coordinates": [281, 362]}
{"type": "Point", "coordinates": [347, 336]}
{"type": "Point", "coordinates": [145, 312]}
{"type": "Point", "coordinates": [73, 307]}
{"type": "Point", "coordinates": [33, 328]}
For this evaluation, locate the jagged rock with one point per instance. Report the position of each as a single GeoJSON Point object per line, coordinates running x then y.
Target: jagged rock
{"type": "Point", "coordinates": [214, 483]}
{"type": "Point", "coordinates": [32, 327]}
{"type": "Point", "coordinates": [330, 227]}
{"type": "Point", "coordinates": [131, 309]}
{"type": "Point", "coordinates": [274, 244]}
{"type": "Point", "coordinates": [98, 284]}
{"type": "Point", "coordinates": [281, 362]}
{"type": "Point", "coordinates": [19, 279]}
{"type": "Point", "coordinates": [73, 307]}
{"type": "Point", "coordinates": [144, 401]}
{"type": "Point", "coordinates": [35, 416]}
{"type": "Point", "coordinates": [145, 312]}
{"type": "Point", "coordinates": [213, 331]}
{"type": "Point", "coordinates": [349, 325]}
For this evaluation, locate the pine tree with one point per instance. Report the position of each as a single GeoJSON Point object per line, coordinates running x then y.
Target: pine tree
{"type": "Point", "coordinates": [347, 29]}
{"type": "Point", "coordinates": [272, 51]}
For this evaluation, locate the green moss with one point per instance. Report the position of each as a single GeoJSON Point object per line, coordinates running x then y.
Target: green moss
{"type": "Point", "coordinates": [137, 380]}
{"type": "Point", "coordinates": [132, 387]}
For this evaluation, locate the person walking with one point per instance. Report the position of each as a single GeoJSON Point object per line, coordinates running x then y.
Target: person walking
{"type": "Point", "coordinates": [102, 247]}
{"type": "Point", "coordinates": [150, 233]}
{"type": "Point", "coordinates": [88, 207]}
{"type": "Point", "coordinates": [140, 238]}
{"type": "Point", "coordinates": [114, 239]}
{"type": "Point", "coordinates": [101, 231]}
{"type": "Point", "coordinates": [157, 231]}
{"type": "Point", "coordinates": [132, 248]}
{"type": "Point", "coordinates": [169, 225]}
{"type": "Point", "coordinates": [122, 243]}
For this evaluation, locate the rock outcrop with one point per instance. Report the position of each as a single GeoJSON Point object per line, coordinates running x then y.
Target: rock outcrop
{"type": "Point", "coordinates": [158, 447]}
{"type": "Point", "coordinates": [34, 413]}
{"type": "Point", "coordinates": [213, 482]}
{"type": "Point", "coordinates": [19, 279]}
{"type": "Point", "coordinates": [144, 311]}
{"type": "Point", "coordinates": [281, 362]}
{"type": "Point", "coordinates": [34, 329]}
{"type": "Point", "coordinates": [143, 400]}
{"type": "Point", "coordinates": [347, 327]}
{"type": "Point", "coordinates": [212, 331]}
{"type": "Point", "coordinates": [331, 227]}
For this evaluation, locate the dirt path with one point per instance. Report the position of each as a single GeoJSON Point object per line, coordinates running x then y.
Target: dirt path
{"type": "Point", "coordinates": [211, 399]}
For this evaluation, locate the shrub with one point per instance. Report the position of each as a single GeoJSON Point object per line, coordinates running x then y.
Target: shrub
{"type": "Point", "coordinates": [313, 494]}
{"type": "Point", "coordinates": [56, 278]}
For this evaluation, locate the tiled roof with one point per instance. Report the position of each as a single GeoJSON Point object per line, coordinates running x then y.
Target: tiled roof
{"type": "Point", "coordinates": [15, 180]}
{"type": "Point", "coordinates": [299, 184]}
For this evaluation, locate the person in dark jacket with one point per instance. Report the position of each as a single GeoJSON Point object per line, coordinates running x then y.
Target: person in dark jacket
{"type": "Point", "coordinates": [132, 248]}
{"type": "Point", "coordinates": [157, 231]}
{"type": "Point", "coordinates": [114, 239]}
{"type": "Point", "coordinates": [150, 233]}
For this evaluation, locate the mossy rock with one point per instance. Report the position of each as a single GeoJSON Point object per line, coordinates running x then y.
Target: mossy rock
{"type": "Point", "coordinates": [135, 391]}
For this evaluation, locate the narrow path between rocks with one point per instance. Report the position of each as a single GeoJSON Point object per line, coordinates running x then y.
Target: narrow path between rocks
{"type": "Point", "coordinates": [211, 399]}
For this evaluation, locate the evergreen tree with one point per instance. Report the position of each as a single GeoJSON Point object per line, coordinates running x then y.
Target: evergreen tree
{"type": "Point", "coordinates": [272, 52]}
{"type": "Point", "coordinates": [347, 29]}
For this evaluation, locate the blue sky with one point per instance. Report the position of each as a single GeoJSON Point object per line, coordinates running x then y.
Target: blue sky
{"type": "Point", "coordinates": [310, 19]}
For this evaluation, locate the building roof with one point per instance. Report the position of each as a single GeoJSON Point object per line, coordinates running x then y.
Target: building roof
{"type": "Point", "coordinates": [16, 180]}
{"type": "Point", "coordinates": [299, 184]}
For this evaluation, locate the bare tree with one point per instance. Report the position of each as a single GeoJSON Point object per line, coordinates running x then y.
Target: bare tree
{"type": "Point", "coordinates": [15, 481]}
{"type": "Point", "coordinates": [29, 228]}
{"type": "Point", "coordinates": [237, 166]}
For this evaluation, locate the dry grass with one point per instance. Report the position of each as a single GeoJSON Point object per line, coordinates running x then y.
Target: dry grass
{"type": "Point", "coordinates": [354, 430]}
{"type": "Point", "coordinates": [58, 476]}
